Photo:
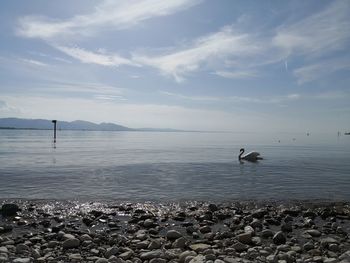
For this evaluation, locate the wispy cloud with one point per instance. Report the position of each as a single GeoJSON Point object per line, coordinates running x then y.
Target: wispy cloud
{"type": "Point", "coordinates": [116, 14]}
{"type": "Point", "coordinates": [206, 51]}
{"type": "Point", "coordinates": [321, 69]}
{"type": "Point", "coordinates": [236, 99]}
{"type": "Point", "coordinates": [193, 98]}
{"type": "Point", "coordinates": [318, 34]}
{"type": "Point", "coordinates": [33, 62]}
{"type": "Point", "coordinates": [239, 74]}
{"type": "Point", "coordinates": [90, 57]}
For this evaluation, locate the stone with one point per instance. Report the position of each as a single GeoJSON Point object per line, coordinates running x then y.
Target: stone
{"type": "Point", "coordinates": [185, 254]}
{"type": "Point", "coordinates": [212, 207]}
{"type": "Point", "coordinates": [21, 248]}
{"type": "Point", "coordinates": [111, 251]}
{"type": "Point", "coordinates": [152, 254]}
{"type": "Point", "coordinates": [85, 237]}
{"type": "Point", "coordinates": [179, 243]}
{"type": "Point", "coordinates": [155, 244]}
{"type": "Point", "coordinates": [240, 247]}
{"type": "Point", "coordinates": [279, 238]}
{"type": "Point", "coordinates": [158, 260]}
{"type": "Point", "coordinates": [333, 247]}
{"type": "Point", "coordinates": [148, 223]}
{"type": "Point", "coordinates": [4, 250]}
{"type": "Point", "coordinates": [313, 232]}
{"type": "Point", "coordinates": [205, 229]}
{"type": "Point", "coordinates": [22, 260]}
{"type": "Point", "coordinates": [266, 233]}
{"type": "Point", "coordinates": [198, 259]}
{"type": "Point", "coordinates": [71, 243]}
{"type": "Point", "coordinates": [9, 209]}
{"type": "Point", "coordinates": [76, 257]}
{"type": "Point", "coordinates": [245, 238]}
{"type": "Point", "coordinates": [199, 247]}
{"type": "Point", "coordinates": [101, 260]}
{"type": "Point", "coordinates": [308, 246]}
{"type": "Point", "coordinates": [126, 255]}
{"type": "Point", "coordinates": [173, 234]}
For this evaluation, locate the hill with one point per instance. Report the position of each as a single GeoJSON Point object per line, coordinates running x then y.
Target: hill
{"type": "Point", "coordinates": [41, 124]}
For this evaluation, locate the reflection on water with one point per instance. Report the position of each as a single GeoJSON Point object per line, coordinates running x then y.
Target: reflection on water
{"type": "Point", "coordinates": [172, 166]}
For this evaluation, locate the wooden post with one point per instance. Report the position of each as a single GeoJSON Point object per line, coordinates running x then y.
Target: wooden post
{"type": "Point", "coordinates": [54, 130]}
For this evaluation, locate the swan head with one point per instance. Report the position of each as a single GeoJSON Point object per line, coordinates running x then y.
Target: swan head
{"type": "Point", "coordinates": [241, 150]}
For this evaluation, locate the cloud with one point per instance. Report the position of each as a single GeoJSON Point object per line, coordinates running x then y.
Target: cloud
{"type": "Point", "coordinates": [239, 74]}
{"type": "Point", "coordinates": [236, 99]}
{"type": "Point", "coordinates": [89, 57]}
{"type": "Point", "coordinates": [207, 51]}
{"type": "Point", "coordinates": [321, 69]}
{"type": "Point", "coordinates": [320, 33]}
{"type": "Point", "coordinates": [110, 13]}
{"type": "Point", "coordinates": [33, 62]}
{"type": "Point", "coordinates": [193, 98]}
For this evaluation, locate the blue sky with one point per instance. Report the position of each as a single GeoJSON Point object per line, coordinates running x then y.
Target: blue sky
{"type": "Point", "coordinates": [186, 64]}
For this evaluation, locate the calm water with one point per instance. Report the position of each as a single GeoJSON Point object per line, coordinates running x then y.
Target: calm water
{"type": "Point", "coordinates": [172, 166]}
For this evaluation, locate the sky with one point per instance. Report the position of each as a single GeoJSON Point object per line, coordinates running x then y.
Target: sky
{"type": "Point", "coordinates": [225, 65]}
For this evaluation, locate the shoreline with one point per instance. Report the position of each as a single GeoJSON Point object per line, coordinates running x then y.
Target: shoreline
{"type": "Point", "coordinates": [193, 231]}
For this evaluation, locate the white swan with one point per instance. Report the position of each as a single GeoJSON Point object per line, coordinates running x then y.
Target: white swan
{"type": "Point", "coordinates": [251, 156]}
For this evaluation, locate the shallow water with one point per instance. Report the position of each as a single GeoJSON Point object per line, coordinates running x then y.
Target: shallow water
{"type": "Point", "coordinates": [172, 166]}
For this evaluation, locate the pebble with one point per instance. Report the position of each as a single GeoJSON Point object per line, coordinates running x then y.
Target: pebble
{"type": "Point", "coordinates": [71, 243]}
{"type": "Point", "coordinates": [173, 234]}
{"type": "Point", "coordinates": [279, 238]}
{"type": "Point", "coordinates": [215, 234]}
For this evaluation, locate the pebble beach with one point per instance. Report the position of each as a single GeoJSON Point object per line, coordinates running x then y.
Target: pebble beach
{"type": "Point", "coordinates": [190, 232]}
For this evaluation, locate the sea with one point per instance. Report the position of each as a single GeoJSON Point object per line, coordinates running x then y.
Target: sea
{"type": "Point", "coordinates": [173, 166]}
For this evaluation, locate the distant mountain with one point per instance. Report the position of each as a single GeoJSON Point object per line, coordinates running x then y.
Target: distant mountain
{"type": "Point", "coordinates": [40, 124]}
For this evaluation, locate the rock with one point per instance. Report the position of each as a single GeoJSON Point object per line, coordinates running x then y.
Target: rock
{"type": "Point", "coordinates": [287, 227]}
{"type": "Point", "coordinates": [333, 247]}
{"type": "Point", "coordinates": [308, 246]}
{"type": "Point", "coordinates": [345, 256]}
{"type": "Point", "coordinates": [325, 242]}
{"type": "Point", "coordinates": [186, 254]}
{"type": "Point", "coordinates": [21, 248]}
{"type": "Point", "coordinates": [152, 254]}
{"type": "Point", "coordinates": [179, 243]}
{"type": "Point", "coordinates": [158, 260]}
{"type": "Point", "coordinates": [173, 234]}
{"type": "Point", "coordinates": [240, 247]}
{"type": "Point", "coordinates": [313, 232]}
{"type": "Point", "coordinates": [22, 260]}
{"type": "Point", "coordinates": [330, 260]}
{"type": "Point", "coordinates": [199, 247]}
{"type": "Point", "coordinates": [101, 260]}
{"type": "Point", "coordinates": [198, 259]}
{"type": "Point", "coordinates": [155, 244]}
{"type": "Point", "coordinates": [212, 207]}
{"type": "Point", "coordinates": [279, 238]}
{"type": "Point", "coordinates": [75, 257]}
{"type": "Point", "coordinates": [266, 233]}
{"type": "Point", "coordinates": [9, 209]}
{"type": "Point", "coordinates": [71, 243]}
{"type": "Point", "coordinates": [230, 260]}
{"type": "Point", "coordinates": [259, 213]}
{"type": "Point", "coordinates": [4, 250]}
{"type": "Point", "coordinates": [148, 223]}
{"type": "Point", "coordinates": [111, 251]}
{"type": "Point", "coordinates": [126, 255]}
{"type": "Point", "coordinates": [85, 237]}
{"type": "Point", "coordinates": [68, 236]}
{"type": "Point", "coordinates": [205, 229]}
{"type": "Point", "coordinates": [245, 238]}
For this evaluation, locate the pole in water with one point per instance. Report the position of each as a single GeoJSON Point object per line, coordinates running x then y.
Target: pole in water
{"type": "Point", "coordinates": [54, 130]}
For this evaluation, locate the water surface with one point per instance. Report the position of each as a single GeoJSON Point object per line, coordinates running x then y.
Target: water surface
{"type": "Point", "coordinates": [172, 166]}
